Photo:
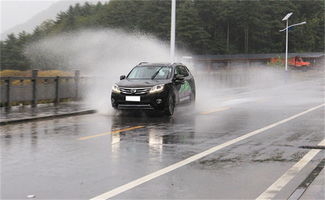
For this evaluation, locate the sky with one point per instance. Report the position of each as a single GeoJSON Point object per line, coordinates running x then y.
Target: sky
{"type": "Point", "coordinates": [19, 15]}
{"type": "Point", "coordinates": [14, 12]}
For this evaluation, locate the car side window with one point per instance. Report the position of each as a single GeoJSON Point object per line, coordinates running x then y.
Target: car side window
{"type": "Point", "coordinates": [183, 71]}
{"type": "Point", "coordinates": [186, 69]}
{"type": "Point", "coordinates": [177, 70]}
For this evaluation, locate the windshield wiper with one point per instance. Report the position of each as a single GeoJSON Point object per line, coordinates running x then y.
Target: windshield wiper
{"type": "Point", "coordinates": [156, 73]}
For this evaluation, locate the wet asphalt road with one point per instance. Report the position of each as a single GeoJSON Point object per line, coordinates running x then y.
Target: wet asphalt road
{"type": "Point", "coordinates": [84, 156]}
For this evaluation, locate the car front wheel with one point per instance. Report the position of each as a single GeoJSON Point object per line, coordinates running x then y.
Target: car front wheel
{"type": "Point", "coordinates": [192, 97]}
{"type": "Point", "coordinates": [170, 106]}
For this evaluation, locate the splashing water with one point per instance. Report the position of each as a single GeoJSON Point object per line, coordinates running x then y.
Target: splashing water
{"type": "Point", "coordinates": [104, 54]}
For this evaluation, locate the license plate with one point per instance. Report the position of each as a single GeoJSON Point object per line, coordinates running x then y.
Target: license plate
{"type": "Point", "coordinates": [132, 98]}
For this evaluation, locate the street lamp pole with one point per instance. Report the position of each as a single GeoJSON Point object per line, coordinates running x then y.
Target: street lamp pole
{"type": "Point", "coordinates": [287, 35]}
{"type": "Point", "coordinates": [172, 31]}
{"type": "Point", "coordinates": [286, 18]}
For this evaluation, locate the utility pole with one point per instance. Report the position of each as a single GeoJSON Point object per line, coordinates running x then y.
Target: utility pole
{"type": "Point", "coordinates": [172, 31]}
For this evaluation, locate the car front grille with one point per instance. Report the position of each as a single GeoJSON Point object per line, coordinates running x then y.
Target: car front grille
{"type": "Point", "coordinates": [134, 90]}
{"type": "Point", "coordinates": [135, 106]}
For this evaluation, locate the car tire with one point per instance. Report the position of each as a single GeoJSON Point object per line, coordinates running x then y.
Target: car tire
{"type": "Point", "coordinates": [192, 97]}
{"type": "Point", "coordinates": [170, 106]}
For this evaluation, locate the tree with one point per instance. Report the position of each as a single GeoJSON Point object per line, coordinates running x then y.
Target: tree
{"type": "Point", "coordinates": [203, 27]}
{"type": "Point", "coordinates": [12, 52]}
{"type": "Point", "coordinates": [189, 30]}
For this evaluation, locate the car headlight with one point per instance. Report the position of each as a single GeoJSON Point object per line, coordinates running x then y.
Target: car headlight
{"type": "Point", "coordinates": [156, 88]}
{"type": "Point", "coordinates": [116, 89]}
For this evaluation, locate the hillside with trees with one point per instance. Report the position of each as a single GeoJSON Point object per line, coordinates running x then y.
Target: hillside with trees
{"type": "Point", "coordinates": [203, 27]}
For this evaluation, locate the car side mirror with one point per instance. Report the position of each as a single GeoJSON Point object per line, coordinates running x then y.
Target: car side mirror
{"type": "Point", "coordinates": [122, 77]}
{"type": "Point", "coordinates": [179, 79]}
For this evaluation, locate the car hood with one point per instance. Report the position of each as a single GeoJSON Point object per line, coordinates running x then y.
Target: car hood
{"type": "Point", "coordinates": [140, 83]}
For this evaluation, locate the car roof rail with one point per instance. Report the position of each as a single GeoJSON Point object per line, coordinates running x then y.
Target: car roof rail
{"type": "Point", "coordinates": [141, 63]}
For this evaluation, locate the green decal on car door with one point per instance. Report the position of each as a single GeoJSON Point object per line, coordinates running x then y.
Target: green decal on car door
{"type": "Point", "coordinates": [185, 89]}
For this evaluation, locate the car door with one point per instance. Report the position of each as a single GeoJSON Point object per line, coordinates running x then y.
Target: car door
{"type": "Point", "coordinates": [183, 89]}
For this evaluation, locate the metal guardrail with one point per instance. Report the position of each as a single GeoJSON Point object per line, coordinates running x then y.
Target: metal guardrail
{"type": "Point", "coordinates": [256, 57]}
{"type": "Point", "coordinates": [32, 90]}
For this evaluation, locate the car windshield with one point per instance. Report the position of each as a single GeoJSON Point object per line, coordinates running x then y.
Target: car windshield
{"type": "Point", "coordinates": [150, 72]}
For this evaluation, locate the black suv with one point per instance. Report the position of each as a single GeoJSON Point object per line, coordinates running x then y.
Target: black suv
{"type": "Point", "coordinates": [154, 86]}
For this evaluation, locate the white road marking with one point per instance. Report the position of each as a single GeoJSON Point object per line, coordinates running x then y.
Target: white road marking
{"type": "Point", "coordinates": [193, 158]}
{"type": "Point", "coordinates": [273, 190]}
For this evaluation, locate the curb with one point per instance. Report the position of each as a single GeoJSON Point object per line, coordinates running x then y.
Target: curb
{"type": "Point", "coordinates": [300, 190]}
{"type": "Point", "coordinates": [27, 119]}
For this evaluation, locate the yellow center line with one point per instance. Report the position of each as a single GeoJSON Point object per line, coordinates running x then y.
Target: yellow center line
{"type": "Point", "coordinates": [108, 133]}
{"type": "Point", "coordinates": [216, 110]}
{"type": "Point", "coordinates": [226, 108]}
